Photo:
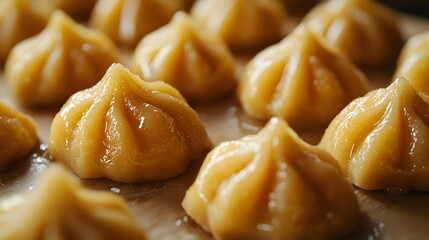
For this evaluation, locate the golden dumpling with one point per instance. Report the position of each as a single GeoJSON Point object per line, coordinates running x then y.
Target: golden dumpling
{"type": "Point", "coordinates": [243, 24]}
{"type": "Point", "coordinates": [127, 21]}
{"type": "Point", "coordinates": [414, 64]}
{"type": "Point", "coordinates": [18, 21]}
{"type": "Point", "coordinates": [59, 208]}
{"type": "Point", "coordinates": [63, 59]}
{"type": "Point", "coordinates": [365, 31]}
{"type": "Point", "coordinates": [272, 185]}
{"type": "Point", "coordinates": [195, 62]}
{"type": "Point", "coordinates": [128, 130]}
{"type": "Point", "coordinates": [381, 139]}
{"type": "Point", "coordinates": [17, 135]}
{"type": "Point", "coordinates": [301, 80]}
{"type": "Point", "coordinates": [78, 9]}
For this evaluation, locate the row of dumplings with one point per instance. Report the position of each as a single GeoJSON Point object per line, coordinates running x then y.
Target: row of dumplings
{"type": "Point", "coordinates": [118, 129]}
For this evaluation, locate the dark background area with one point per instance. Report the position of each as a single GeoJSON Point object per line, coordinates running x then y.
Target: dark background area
{"type": "Point", "coordinates": [415, 7]}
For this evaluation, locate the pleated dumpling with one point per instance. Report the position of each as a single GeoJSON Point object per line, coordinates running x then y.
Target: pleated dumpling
{"type": "Point", "coordinates": [18, 135]}
{"type": "Point", "coordinates": [127, 21]}
{"type": "Point", "coordinates": [368, 33]}
{"type": "Point", "coordinates": [63, 59]}
{"type": "Point", "coordinates": [272, 185]}
{"type": "Point", "coordinates": [192, 60]}
{"type": "Point", "coordinates": [301, 80]}
{"type": "Point", "coordinates": [18, 21]}
{"type": "Point", "coordinates": [128, 130]}
{"type": "Point", "coordinates": [381, 139]}
{"type": "Point", "coordinates": [414, 64]}
{"type": "Point", "coordinates": [243, 24]}
{"type": "Point", "coordinates": [59, 208]}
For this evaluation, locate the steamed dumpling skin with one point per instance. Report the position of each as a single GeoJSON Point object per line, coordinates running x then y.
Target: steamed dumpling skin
{"type": "Point", "coordinates": [300, 79]}
{"type": "Point", "coordinates": [413, 64]}
{"type": "Point", "coordinates": [127, 21]}
{"type": "Point", "coordinates": [271, 185]}
{"type": "Point", "coordinates": [18, 135]}
{"type": "Point", "coordinates": [18, 21]}
{"type": "Point", "coordinates": [367, 32]}
{"type": "Point", "coordinates": [65, 58]}
{"type": "Point", "coordinates": [128, 130]}
{"type": "Point", "coordinates": [60, 209]}
{"type": "Point", "coordinates": [243, 24]}
{"type": "Point", "coordinates": [192, 60]}
{"type": "Point", "coordinates": [381, 140]}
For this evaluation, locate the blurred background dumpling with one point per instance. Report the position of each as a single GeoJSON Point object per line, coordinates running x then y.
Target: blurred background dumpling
{"type": "Point", "coordinates": [59, 208]}
{"type": "Point", "coordinates": [381, 140]}
{"type": "Point", "coordinates": [243, 24]}
{"type": "Point", "coordinates": [18, 21]}
{"type": "Point", "coordinates": [127, 21]}
{"type": "Point", "coordinates": [414, 64]}
{"type": "Point", "coordinates": [80, 9]}
{"type": "Point", "coordinates": [192, 60]}
{"type": "Point", "coordinates": [128, 130]}
{"type": "Point", "coordinates": [367, 32]}
{"type": "Point", "coordinates": [64, 58]}
{"type": "Point", "coordinates": [300, 79]}
{"type": "Point", "coordinates": [18, 135]}
{"type": "Point", "coordinates": [272, 185]}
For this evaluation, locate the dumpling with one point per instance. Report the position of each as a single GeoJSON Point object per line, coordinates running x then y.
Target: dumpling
{"type": "Point", "coordinates": [127, 21]}
{"type": "Point", "coordinates": [18, 21]}
{"type": "Point", "coordinates": [301, 80]}
{"type": "Point", "coordinates": [368, 33]}
{"type": "Point", "coordinates": [59, 208]}
{"type": "Point", "coordinates": [18, 135]}
{"type": "Point", "coordinates": [78, 9]}
{"type": "Point", "coordinates": [63, 59]}
{"type": "Point", "coordinates": [195, 62]}
{"type": "Point", "coordinates": [128, 130]}
{"type": "Point", "coordinates": [414, 64]}
{"type": "Point", "coordinates": [381, 139]}
{"type": "Point", "coordinates": [243, 24]}
{"type": "Point", "coordinates": [272, 185]}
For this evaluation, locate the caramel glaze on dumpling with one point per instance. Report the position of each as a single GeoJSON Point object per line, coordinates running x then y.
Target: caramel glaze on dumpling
{"type": "Point", "coordinates": [64, 58]}
{"type": "Point", "coordinates": [243, 24]}
{"type": "Point", "coordinates": [272, 185]}
{"type": "Point", "coordinates": [18, 135]}
{"type": "Point", "coordinates": [413, 64]}
{"type": "Point", "coordinates": [300, 79]}
{"type": "Point", "coordinates": [128, 130]}
{"type": "Point", "coordinates": [192, 60]}
{"type": "Point", "coordinates": [127, 21]}
{"type": "Point", "coordinates": [367, 32]}
{"type": "Point", "coordinates": [18, 21]}
{"type": "Point", "coordinates": [59, 208]}
{"type": "Point", "coordinates": [381, 140]}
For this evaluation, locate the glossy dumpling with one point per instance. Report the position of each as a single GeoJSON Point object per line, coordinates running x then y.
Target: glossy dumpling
{"type": "Point", "coordinates": [272, 185]}
{"type": "Point", "coordinates": [192, 60]}
{"type": "Point", "coordinates": [127, 21]}
{"type": "Point", "coordinates": [301, 80]}
{"type": "Point", "coordinates": [243, 24]}
{"type": "Point", "coordinates": [59, 208]}
{"type": "Point", "coordinates": [128, 130]}
{"type": "Point", "coordinates": [381, 139]}
{"type": "Point", "coordinates": [18, 21]}
{"type": "Point", "coordinates": [63, 59]}
{"type": "Point", "coordinates": [414, 64]}
{"type": "Point", "coordinates": [18, 135]}
{"type": "Point", "coordinates": [365, 31]}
